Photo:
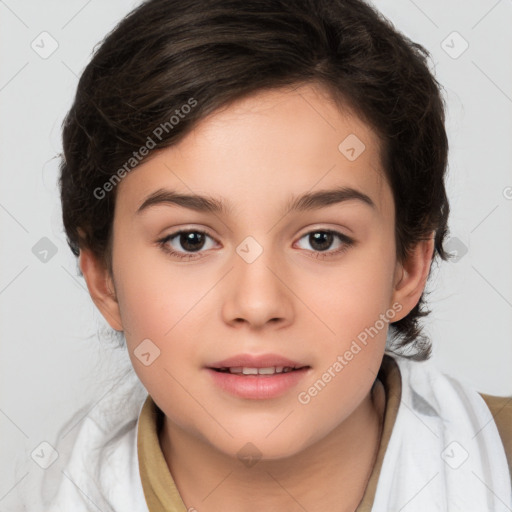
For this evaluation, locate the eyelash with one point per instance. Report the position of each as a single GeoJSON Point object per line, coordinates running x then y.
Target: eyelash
{"type": "Point", "coordinates": [347, 243]}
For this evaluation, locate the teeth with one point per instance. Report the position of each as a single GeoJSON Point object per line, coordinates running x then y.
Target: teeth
{"type": "Point", "coordinates": [266, 371]}
{"type": "Point", "coordinates": [271, 370]}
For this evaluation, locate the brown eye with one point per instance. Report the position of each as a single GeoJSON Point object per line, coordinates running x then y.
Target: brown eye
{"type": "Point", "coordinates": [185, 243]}
{"type": "Point", "coordinates": [191, 240]}
{"type": "Point", "coordinates": [321, 240]}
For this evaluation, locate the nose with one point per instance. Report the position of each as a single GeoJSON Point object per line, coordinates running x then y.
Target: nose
{"type": "Point", "coordinates": [259, 293]}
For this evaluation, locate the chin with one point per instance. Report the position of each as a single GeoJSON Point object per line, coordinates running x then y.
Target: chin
{"type": "Point", "coordinates": [258, 446]}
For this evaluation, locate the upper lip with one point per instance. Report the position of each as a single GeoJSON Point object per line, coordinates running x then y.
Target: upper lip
{"type": "Point", "coordinates": [256, 361]}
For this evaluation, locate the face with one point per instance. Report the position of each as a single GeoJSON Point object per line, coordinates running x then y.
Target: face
{"type": "Point", "coordinates": [258, 284]}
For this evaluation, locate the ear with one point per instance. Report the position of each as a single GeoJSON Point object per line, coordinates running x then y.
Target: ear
{"type": "Point", "coordinates": [101, 287]}
{"type": "Point", "coordinates": [411, 276]}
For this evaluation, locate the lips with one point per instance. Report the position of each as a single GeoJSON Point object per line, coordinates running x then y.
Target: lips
{"type": "Point", "coordinates": [257, 377]}
{"type": "Point", "coordinates": [246, 370]}
{"type": "Point", "coordinates": [247, 364]}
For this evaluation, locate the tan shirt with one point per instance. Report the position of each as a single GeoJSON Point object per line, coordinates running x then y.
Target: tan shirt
{"type": "Point", "coordinates": [162, 495]}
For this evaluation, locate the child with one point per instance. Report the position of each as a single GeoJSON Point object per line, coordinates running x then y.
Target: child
{"type": "Point", "coordinates": [302, 146]}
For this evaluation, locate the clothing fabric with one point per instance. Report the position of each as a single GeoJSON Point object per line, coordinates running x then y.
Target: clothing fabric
{"type": "Point", "coordinates": [445, 452]}
{"type": "Point", "coordinates": [97, 468]}
{"type": "Point", "coordinates": [440, 450]}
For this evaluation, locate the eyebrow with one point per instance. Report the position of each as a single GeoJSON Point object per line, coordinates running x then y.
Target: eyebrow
{"type": "Point", "coordinates": [306, 202]}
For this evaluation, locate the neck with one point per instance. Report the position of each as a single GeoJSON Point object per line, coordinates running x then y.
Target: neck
{"type": "Point", "coordinates": [331, 474]}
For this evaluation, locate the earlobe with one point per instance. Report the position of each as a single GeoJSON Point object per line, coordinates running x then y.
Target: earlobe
{"type": "Point", "coordinates": [411, 276]}
{"type": "Point", "coordinates": [101, 287]}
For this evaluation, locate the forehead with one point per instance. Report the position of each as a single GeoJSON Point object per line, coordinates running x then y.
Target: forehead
{"type": "Point", "coordinates": [266, 149]}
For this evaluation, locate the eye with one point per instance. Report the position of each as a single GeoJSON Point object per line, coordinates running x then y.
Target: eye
{"type": "Point", "coordinates": [322, 239]}
{"type": "Point", "coordinates": [190, 240]}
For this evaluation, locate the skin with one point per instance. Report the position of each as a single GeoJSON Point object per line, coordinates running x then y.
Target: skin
{"type": "Point", "coordinates": [255, 154]}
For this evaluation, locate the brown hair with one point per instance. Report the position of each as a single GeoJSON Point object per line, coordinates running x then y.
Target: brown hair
{"type": "Point", "coordinates": [166, 53]}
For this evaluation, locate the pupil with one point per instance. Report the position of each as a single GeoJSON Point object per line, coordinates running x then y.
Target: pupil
{"type": "Point", "coordinates": [318, 238]}
{"type": "Point", "coordinates": [187, 241]}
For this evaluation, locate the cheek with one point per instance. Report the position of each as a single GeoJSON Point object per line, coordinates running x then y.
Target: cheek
{"type": "Point", "coordinates": [154, 294]}
{"type": "Point", "coordinates": [353, 295]}
{"type": "Point", "coordinates": [355, 312]}
{"type": "Point", "coordinates": [355, 306]}
{"type": "Point", "coordinates": [160, 310]}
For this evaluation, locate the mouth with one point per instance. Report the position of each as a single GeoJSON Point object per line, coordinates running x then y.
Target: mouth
{"type": "Point", "coordinates": [243, 371]}
{"type": "Point", "coordinates": [257, 377]}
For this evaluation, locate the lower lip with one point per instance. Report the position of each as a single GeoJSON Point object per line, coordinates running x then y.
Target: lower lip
{"type": "Point", "coordinates": [257, 387]}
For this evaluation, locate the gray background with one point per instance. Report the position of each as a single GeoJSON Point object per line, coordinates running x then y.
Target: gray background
{"type": "Point", "coordinates": [53, 362]}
